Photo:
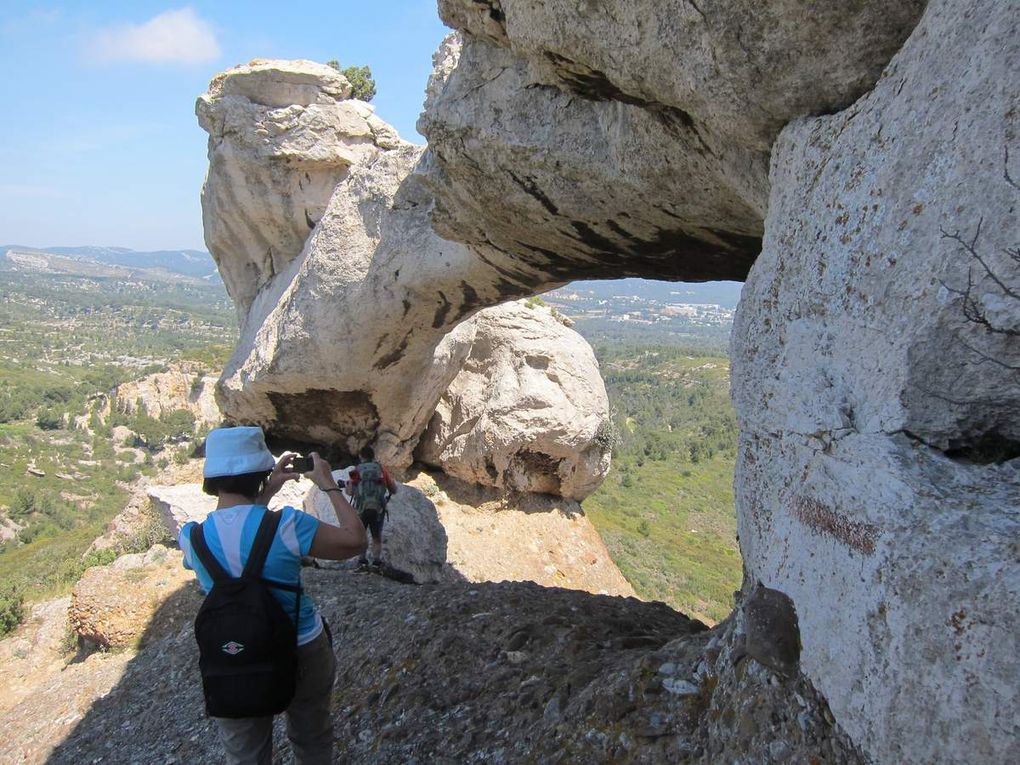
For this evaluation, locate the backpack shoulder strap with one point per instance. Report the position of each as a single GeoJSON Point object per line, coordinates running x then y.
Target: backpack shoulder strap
{"type": "Point", "coordinates": [201, 549]}
{"type": "Point", "coordinates": [260, 551]}
{"type": "Point", "coordinates": [263, 541]}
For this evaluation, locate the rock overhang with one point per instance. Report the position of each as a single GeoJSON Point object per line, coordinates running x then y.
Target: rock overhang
{"type": "Point", "coordinates": [874, 358]}
{"type": "Point", "coordinates": [830, 380]}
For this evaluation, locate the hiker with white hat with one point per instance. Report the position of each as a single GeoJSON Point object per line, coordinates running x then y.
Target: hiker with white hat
{"type": "Point", "coordinates": [265, 649]}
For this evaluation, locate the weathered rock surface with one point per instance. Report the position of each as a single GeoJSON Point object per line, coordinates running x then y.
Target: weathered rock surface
{"type": "Point", "coordinates": [179, 388]}
{"type": "Point", "coordinates": [414, 540]}
{"type": "Point", "coordinates": [282, 135]}
{"type": "Point", "coordinates": [771, 630]}
{"type": "Point", "coordinates": [874, 375]}
{"type": "Point", "coordinates": [372, 362]}
{"type": "Point", "coordinates": [112, 606]}
{"type": "Point", "coordinates": [528, 410]}
{"type": "Point", "coordinates": [33, 649]}
{"type": "Point", "coordinates": [43, 694]}
{"type": "Point", "coordinates": [459, 672]}
{"type": "Point", "coordinates": [179, 504]}
{"type": "Point", "coordinates": [632, 139]}
{"type": "Point", "coordinates": [395, 291]}
{"type": "Point", "coordinates": [8, 529]}
{"type": "Point", "coordinates": [492, 536]}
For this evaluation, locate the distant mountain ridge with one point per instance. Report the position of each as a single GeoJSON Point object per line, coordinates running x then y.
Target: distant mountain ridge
{"type": "Point", "coordinates": [112, 261]}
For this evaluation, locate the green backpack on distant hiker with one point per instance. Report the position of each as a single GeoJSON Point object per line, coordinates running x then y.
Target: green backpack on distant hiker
{"type": "Point", "coordinates": [370, 493]}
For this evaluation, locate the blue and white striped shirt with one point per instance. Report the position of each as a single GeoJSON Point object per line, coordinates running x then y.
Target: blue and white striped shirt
{"type": "Point", "coordinates": [230, 533]}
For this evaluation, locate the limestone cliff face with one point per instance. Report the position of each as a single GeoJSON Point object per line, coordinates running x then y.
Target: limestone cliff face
{"type": "Point", "coordinates": [282, 137]}
{"type": "Point", "coordinates": [874, 373]}
{"type": "Point", "coordinates": [180, 387]}
{"type": "Point", "coordinates": [621, 138]}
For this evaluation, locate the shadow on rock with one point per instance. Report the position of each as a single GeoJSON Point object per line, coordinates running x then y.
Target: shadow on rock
{"type": "Point", "coordinates": [493, 499]}
{"type": "Point", "coordinates": [492, 672]}
{"type": "Point", "coordinates": [155, 712]}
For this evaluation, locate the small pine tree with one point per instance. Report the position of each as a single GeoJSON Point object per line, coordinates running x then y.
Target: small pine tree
{"type": "Point", "coordinates": [360, 77]}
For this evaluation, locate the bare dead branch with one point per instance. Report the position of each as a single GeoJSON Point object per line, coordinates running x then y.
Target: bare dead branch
{"type": "Point", "coordinates": [984, 357]}
{"type": "Point", "coordinates": [971, 249]}
{"type": "Point", "coordinates": [973, 309]}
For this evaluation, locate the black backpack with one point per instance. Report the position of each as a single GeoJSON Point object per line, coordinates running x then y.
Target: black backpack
{"type": "Point", "coordinates": [247, 643]}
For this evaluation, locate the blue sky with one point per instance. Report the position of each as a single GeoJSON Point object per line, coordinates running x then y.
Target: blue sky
{"type": "Point", "coordinates": [98, 139]}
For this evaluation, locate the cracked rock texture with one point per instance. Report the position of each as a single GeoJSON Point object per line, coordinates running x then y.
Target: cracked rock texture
{"type": "Point", "coordinates": [282, 135]}
{"type": "Point", "coordinates": [878, 409]}
{"type": "Point", "coordinates": [180, 387]}
{"type": "Point", "coordinates": [112, 606]}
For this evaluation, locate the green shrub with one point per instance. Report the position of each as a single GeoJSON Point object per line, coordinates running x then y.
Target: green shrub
{"type": "Point", "coordinates": [29, 534]}
{"type": "Point", "coordinates": [98, 558]}
{"type": "Point", "coordinates": [23, 503]}
{"type": "Point", "coordinates": [179, 423]}
{"type": "Point", "coordinates": [360, 77]}
{"type": "Point", "coordinates": [49, 418]}
{"type": "Point", "coordinates": [12, 608]}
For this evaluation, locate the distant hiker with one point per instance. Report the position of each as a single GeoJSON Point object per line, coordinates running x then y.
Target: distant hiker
{"type": "Point", "coordinates": [343, 479]}
{"type": "Point", "coordinates": [371, 487]}
{"type": "Point", "coordinates": [264, 648]}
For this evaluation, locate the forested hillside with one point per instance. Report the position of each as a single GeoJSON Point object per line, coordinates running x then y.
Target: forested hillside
{"type": "Point", "coordinates": [666, 509]}
{"type": "Point", "coordinates": [66, 341]}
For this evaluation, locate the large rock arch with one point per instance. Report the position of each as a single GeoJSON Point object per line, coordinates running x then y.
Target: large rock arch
{"type": "Point", "coordinates": [878, 340]}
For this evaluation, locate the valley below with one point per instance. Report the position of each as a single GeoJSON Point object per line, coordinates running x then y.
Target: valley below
{"type": "Point", "coordinates": [107, 389]}
{"type": "Point", "coordinates": [74, 346]}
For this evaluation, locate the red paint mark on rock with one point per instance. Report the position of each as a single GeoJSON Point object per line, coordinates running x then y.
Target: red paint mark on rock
{"type": "Point", "coordinates": [854, 534]}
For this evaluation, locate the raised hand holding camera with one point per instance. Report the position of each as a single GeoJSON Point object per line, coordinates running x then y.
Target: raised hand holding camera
{"type": "Point", "coordinates": [300, 464]}
{"type": "Point", "coordinates": [321, 472]}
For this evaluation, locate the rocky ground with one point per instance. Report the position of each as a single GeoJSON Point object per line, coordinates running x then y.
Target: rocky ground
{"type": "Point", "coordinates": [442, 673]}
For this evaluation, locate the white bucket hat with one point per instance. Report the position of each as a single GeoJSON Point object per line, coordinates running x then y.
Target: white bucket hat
{"type": "Point", "coordinates": [236, 451]}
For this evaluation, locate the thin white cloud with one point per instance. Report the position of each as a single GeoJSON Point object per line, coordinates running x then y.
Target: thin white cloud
{"type": "Point", "coordinates": [172, 37]}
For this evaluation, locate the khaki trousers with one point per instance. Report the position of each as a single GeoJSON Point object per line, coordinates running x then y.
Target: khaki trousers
{"type": "Point", "coordinates": [249, 741]}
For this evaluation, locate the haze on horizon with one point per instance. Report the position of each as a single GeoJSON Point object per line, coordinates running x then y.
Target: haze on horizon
{"type": "Point", "coordinates": [101, 147]}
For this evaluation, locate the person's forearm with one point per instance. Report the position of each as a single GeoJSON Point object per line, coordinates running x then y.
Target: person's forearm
{"type": "Point", "coordinates": [346, 516]}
